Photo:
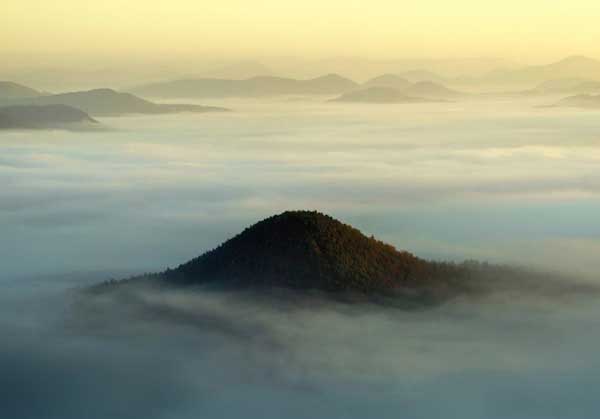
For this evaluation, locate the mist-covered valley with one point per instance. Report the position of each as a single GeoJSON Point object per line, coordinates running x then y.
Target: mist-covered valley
{"type": "Point", "coordinates": [506, 181]}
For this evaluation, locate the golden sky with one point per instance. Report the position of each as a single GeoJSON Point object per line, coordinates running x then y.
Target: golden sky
{"type": "Point", "coordinates": [524, 30]}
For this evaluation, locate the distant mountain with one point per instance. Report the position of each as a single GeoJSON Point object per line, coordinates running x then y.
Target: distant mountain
{"type": "Point", "coordinates": [106, 102]}
{"type": "Point", "coordinates": [378, 95]}
{"type": "Point", "coordinates": [362, 69]}
{"type": "Point", "coordinates": [330, 83]}
{"type": "Point", "coordinates": [253, 87]}
{"type": "Point", "coordinates": [425, 91]}
{"type": "Point", "coordinates": [11, 91]}
{"type": "Point", "coordinates": [388, 80]}
{"type": "Point", "coordinates": [574, 67]}
{"type": "Point", "coordinates": [580, 101]}
{"type": "Point", "coordinates": [431, 90]}
{"type": "Point", "coordinates": [40, 117]}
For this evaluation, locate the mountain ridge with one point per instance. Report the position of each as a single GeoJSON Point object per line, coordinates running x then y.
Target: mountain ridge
{"type": "Point", "coordinates": [252, 87]}
{"type": "Point", "coordinates": [109, 102]}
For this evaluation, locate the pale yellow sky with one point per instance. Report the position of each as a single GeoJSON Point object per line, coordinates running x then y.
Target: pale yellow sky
{"type": "Point", "coordinates": [524, 30]}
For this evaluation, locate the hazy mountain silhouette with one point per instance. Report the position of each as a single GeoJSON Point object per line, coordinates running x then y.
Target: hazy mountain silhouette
{"type": "Point", "coordinates": [425, 91]}
{"type": "Point", "coordinates": [580, 101]}
{"type": "Point", "coordinates": [46, 116]}
{"type": "Point", "coordinates": [439, 70]}
{"type": "Point", "coordinates": [10, 91]}
{"type": "Point", "coordinates": [110, 102]}
{"type": "Point", "coordinates": [573, 67]}
{"type": "Point", "coordinates": [575, 86]}
{"type": "Point", "coordinates": [253, 87]}
{"type": "Point", "coordinates": [431, 90]}
{"type": "Point", "coordinates": [388, 80]}
{"type": "Point", "coordinates": [378, 95]}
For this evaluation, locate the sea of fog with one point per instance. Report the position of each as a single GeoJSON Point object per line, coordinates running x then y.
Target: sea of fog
{"type": "Point", "coordinates": [503, 181]}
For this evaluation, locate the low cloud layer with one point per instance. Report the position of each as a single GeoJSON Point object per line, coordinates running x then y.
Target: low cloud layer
{"type": "Point", "coordinates": [487, 180]}
{"type": "Point", "coordinates": [229, 355]}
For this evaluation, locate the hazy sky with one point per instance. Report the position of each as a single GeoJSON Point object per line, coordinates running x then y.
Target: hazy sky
{"type": "Point", "coordinates": [46, 31]}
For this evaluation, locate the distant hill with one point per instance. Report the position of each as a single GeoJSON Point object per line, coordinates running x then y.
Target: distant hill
{"type": "Point", "coordinates": [431, 90]}
{"type": "Point", "coordinates": [40, 117]}
{"type": "Point", "coordinates": [253, 87]}
{"type": "Point", "coordinates": [378, 95]}
{"type": "Point", "coordinates": [362, 68]}
{"type": "Point", "coordinates": [107, 102]}
{"type": "Point", "coordinates": [574, 67]}
{"type": "Point", "coordinates": [574, 86]}
{"type": "Point", "coordinates": [330, 83]}
{"type": "Point", "coordinates": [388, 80]}
{"type": "Point", "coordinates": [425, 91]}
{"type": "Point", "coordinates": [416, 76]}
{"type": "Point", "coordinates": [310, 250]}
{"type": "Point", "coordinates": [580, 101]}
{"type": "Point", "coordinates": [11, 91]}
